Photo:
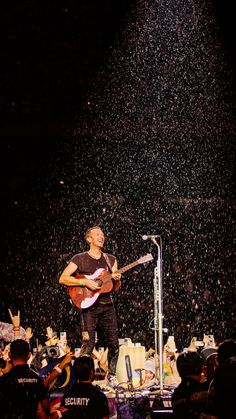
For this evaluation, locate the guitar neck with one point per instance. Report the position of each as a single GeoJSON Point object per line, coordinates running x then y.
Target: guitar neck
{"type": "Point", "coordinates": [124, 269]}
{"type": "Point", "coordinates": [127, 267]}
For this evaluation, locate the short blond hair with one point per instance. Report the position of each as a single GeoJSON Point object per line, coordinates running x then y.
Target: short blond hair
{"type": "Point", "coordinates": [88, 231]}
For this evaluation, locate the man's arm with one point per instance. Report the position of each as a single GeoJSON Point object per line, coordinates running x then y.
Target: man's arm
{"type": "Point", "coordinates": [67, 279]}
{"type": "Point", "coordinates": [16, 324]}
{"type": "Point", "coordinates": [43, 409]}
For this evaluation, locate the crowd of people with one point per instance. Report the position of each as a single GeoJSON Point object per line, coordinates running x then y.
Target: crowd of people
{"type": "Point", "coordinates": [54, 380]}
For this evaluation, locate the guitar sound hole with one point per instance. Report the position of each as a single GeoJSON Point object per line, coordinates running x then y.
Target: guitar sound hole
{"type": "Point", "coordinates": [99, 282]}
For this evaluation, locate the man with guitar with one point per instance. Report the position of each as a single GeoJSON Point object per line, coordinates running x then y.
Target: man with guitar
{"type": "Point", "coordinates": [90, 277]}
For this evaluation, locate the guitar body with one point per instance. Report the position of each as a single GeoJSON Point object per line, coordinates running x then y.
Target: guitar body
{"type": "Point", "coordinates": [83, 297]}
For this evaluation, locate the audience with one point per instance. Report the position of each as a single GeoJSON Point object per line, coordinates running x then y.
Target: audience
{"type": "Point", "coordinates": [22, 393]}
{"type": "Point", "coordinates": [222, 389]}
{"type": "Point", "coordinates": [150, 373]}
{"type": "Point", "coordinates": [170, 355]}
{"type": "Point", "coordinates": [84, 400]}
{"type": "Point", "coordinates": [189, 397]}
{"type": "Point", "coordinates": [211, 364]}
{"type": "Point", "coordinates": [225, 389]}
{"type": "Point", "coordinates": [203, 379]}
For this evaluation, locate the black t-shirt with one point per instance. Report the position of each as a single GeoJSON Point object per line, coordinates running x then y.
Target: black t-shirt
{"type": "Point", "coordinates": [85, 401]}
{"type": "Point", "coordinates": [189, 398]}
{"type": "Point", "coordinates": [20, 391]}
{"type": "Point", "coordinates": [222, 391]}
{"type": "Point", "coordinates": [87, 265]}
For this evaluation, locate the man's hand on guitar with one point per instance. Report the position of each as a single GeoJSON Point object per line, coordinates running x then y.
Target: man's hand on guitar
{"type": "Point", "coordinates": [116, 276]}
{"type": "Point", "coordinates": [92, 285]}
{"type": "Point", "coordinates": [116, 280]}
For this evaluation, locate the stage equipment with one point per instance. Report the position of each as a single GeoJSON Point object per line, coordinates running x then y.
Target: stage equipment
{"type": "Point", "coordinates": [53, 351]}
{"type": "Point", "coordinates": [158, 311]}
{"type": "Point", "coordinates": [140, 403]}
{"type": "Point", "coordinates": [130, 369]}
{"type": "Point", "coordinates": [146, 237]}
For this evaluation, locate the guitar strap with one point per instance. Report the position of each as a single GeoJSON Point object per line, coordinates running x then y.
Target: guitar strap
{"type": "Point", "coordinates": [107, 261]}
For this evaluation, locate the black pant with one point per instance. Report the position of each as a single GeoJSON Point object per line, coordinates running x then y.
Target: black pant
{"type": "Point", "coordinates": [103, 316]}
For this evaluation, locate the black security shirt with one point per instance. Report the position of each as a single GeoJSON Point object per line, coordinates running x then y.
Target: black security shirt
{"type": "Point", "coordinates": [85, 401]}
{"type": "Point", "coordinates": [20, 391]}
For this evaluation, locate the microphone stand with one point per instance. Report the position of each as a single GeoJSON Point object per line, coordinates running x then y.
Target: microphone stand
{"type": "Point", "coordinates": [158, 315]}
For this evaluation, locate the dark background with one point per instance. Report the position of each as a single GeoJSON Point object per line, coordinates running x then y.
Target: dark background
{"type": "Point", "coordinates": [51, 55]}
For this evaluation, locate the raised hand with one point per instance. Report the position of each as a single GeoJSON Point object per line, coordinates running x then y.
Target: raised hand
{"type": "Point", "coordinates": [52, 340]}
{"type": "Point", "coordinates": [28, 333]}
{"type": "Point", "coordinates": [16, 323]}
{"type": "Point", "coordinates": [15, 319]}
{"type": "Point", "coordinates": [49, 332]}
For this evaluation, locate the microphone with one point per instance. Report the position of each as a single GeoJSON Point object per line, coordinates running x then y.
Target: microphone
{"type": "Point", "coordinates": [151, 236]}
{"type": "Point", "coordinates": [128, 368]}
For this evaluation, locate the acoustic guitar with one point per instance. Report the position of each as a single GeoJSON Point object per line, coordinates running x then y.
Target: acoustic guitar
{"type": "Point", "coordinates": [83, 297]}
